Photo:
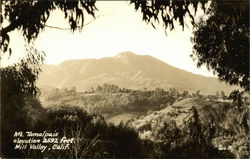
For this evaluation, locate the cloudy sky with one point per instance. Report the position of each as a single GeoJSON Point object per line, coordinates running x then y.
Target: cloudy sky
{"type": "Point", "coordinates": [118, 28]}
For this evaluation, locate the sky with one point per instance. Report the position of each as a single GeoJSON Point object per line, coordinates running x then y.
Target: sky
{"type": "Point", "coordinates": [118, 28]}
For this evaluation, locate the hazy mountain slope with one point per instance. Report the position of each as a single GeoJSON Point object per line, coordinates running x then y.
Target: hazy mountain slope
{"type": "Point", "coordinates": [126, 70]}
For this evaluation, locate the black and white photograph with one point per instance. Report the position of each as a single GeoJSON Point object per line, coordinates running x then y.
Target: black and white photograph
{"type": "Point", "coordinates": [125, 79]}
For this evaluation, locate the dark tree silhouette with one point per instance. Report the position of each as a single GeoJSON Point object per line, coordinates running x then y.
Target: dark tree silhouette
{"type": "Point", "coordinates": [236, 96]}
{"type": "Point", "coordinates": [18, 82]}
{"type": "Point", "coordinates": [221, 42]}
{"type": "Point", "coordinates": [182, 11]}
{"type": "Point", "coordinates": [30, 17]}
{"type": "Point", "coordinates": [169, 11]}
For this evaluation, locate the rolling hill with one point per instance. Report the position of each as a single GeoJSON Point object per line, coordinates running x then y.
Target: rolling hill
{"type": "Point", "coordinates": [127, 70]}
{"type": "Point", "coordinates": [223, 114]}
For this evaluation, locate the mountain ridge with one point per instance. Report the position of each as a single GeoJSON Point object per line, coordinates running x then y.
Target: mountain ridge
{"type": "Point", "coordinates": [126, 70]}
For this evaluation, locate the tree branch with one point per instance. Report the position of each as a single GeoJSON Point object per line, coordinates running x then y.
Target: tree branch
{"type": "Point", "coordinates": [55, 27]}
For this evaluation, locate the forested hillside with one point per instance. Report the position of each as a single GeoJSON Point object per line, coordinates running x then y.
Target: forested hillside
{"type": "Point", "coordinates": [156, 113]}
{"type": "Point", "coordinates": [110, 99]}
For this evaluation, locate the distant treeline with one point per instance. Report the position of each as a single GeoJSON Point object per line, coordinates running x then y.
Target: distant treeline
{"type": "Point", "coordinates": [109, 98]}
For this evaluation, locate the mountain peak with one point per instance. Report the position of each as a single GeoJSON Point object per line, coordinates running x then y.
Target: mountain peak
{"type": "Point", "coordinates": [127, 53]}
{"type": "Point", "coordinates": [124, 57]}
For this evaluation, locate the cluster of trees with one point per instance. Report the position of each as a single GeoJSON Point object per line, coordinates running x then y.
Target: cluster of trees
{"type": "Point", "coordinates": [221, 126]}
{"type": "Point", "coordinates": [231, 126]}
{"type": "Point", "coordinates": [93, 137]}
{"type": "Point", "coordinates": [110, 99]}
{"type": "Point", "coordinates": [221, 42]}
{"type": "Point", "coordinates": [217, 131]}
{"type": "Point", "coordinates": [18, 98]}
{"type": "Point", "coordinates": [194, 140]}
{"type": "Point", "coordinates": [228, 119]}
